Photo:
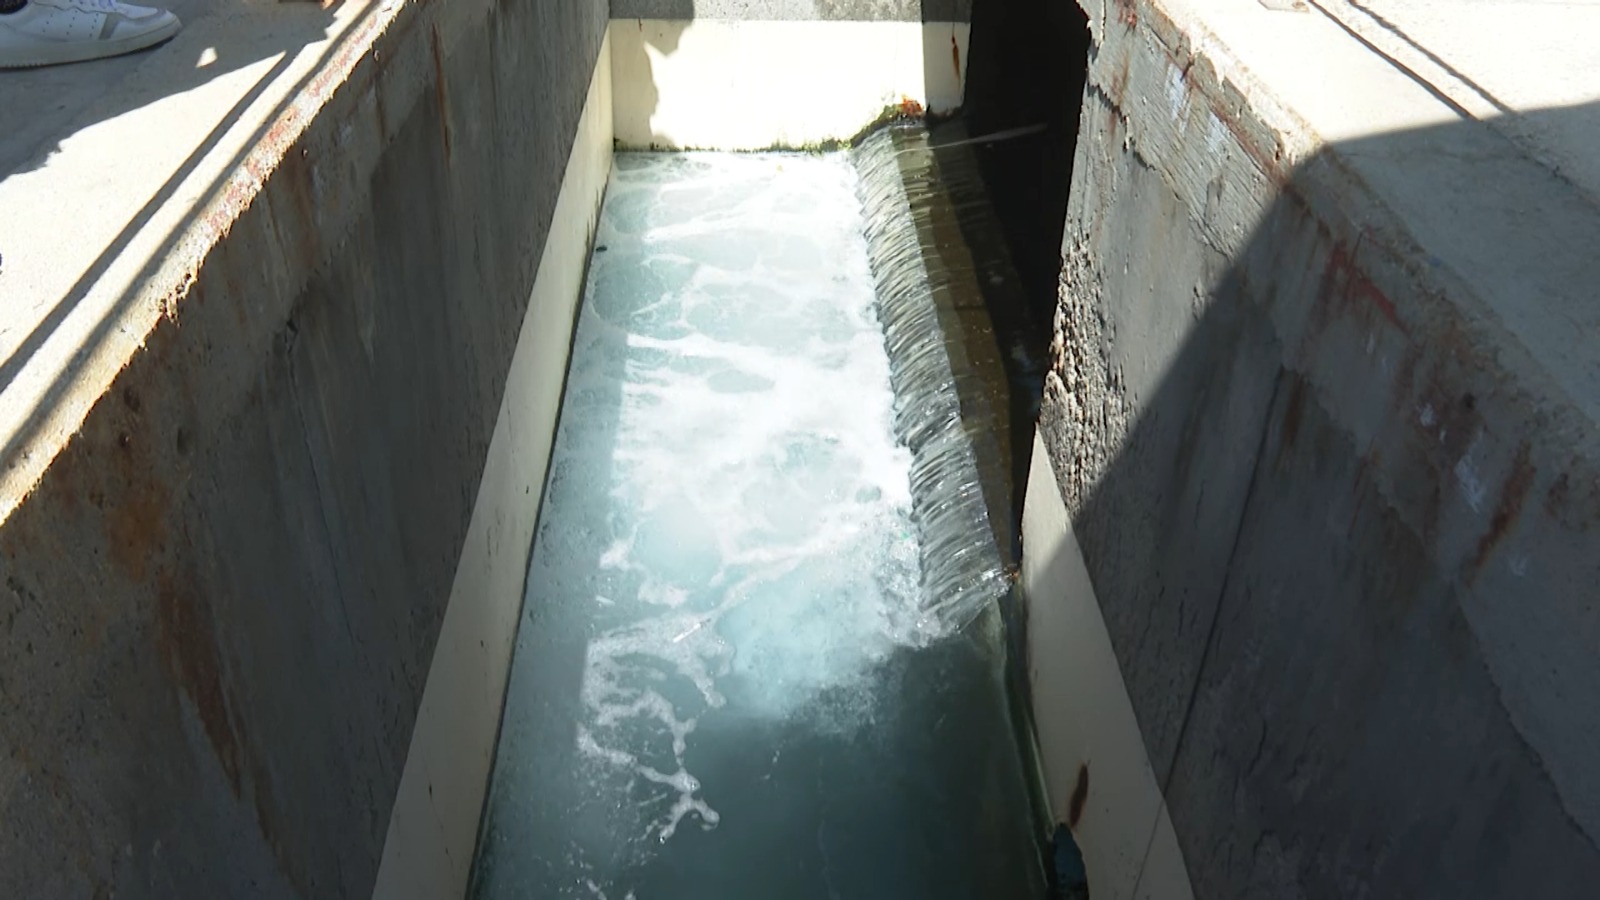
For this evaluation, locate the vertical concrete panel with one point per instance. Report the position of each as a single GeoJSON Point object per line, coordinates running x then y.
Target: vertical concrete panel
{"type": "Point", "coordinates": [801, 84]}
{"type": "Point", "coordinates": [432, 832]}
{"type": "Point", "coordinates": [797, 10]}
{"type": "Point", "coordinates": [810, 72]}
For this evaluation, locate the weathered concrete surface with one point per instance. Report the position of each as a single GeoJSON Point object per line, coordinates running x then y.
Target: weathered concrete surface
{"type": "Point", "coordinates": [145, 179]}
{"type": "Point", "coordinates": [797, 10]}
{"type": "Point", "coordinates": [1323, 410]}
{"type": "Point", "coordinates": [222, 596]}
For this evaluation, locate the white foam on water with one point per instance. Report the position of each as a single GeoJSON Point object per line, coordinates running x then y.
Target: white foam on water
{"type": "Point", "coordinates": [727, 487]}
{"type": "Point", "coordinates": [734, 676]}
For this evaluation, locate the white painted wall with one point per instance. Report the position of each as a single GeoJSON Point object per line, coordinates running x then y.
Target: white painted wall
{"type": "Point", "coordinates": [753, 85]}
{"type": "Point", "coordinates": [1084, 716]}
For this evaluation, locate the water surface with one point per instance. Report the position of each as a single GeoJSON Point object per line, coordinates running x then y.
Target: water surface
{"type": "Point", "coordinates": [727, 683]}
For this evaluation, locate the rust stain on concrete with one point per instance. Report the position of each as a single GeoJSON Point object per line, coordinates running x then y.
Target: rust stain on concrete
{"type": "Point", "coordinates": [135, 525]}
{"type": "Point", "coordinates": [296, 177]}
{"type": "Point", "coordinates": [270, 822]}
{"type": "Point", "coordinates": [1574, 502]}
{"type": "Point", "coordinates": [1080, 796]}
{"type": "Point", "coordinates": [440, 94]}
{"type": "Point", "coordinates": [186, 639]}
{"type": "Point", "coordinates": [1127, 14]}
{"type": "Point", "coordinates": [1512, 496]}
{"type": "Point", "coordinates": [1346, 288]}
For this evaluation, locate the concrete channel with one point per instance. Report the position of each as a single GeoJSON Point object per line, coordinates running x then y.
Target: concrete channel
{"type": "Point", "coordinates": [1307, 600]}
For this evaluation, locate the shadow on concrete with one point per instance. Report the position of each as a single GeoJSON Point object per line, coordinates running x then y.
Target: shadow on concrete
{"type": "Point", "coordinates": [665, 42]}
{"type": "Point", "coordinates": [1351, 679]}
{"type": "Point", "coordinates": [44, 107]}
{"type": "Point", "coordinates": [83, 83]}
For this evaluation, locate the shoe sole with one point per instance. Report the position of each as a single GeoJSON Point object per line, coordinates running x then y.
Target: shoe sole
{"type": "Point", "coordinates": [84, 51]}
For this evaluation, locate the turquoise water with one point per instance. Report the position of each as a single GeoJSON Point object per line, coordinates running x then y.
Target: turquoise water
{"type": "Point", "coordinates": [727, 683]}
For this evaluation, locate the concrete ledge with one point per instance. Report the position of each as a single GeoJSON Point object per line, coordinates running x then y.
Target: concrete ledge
{"type": "Point", "coordinates": [756, 85]}
{"type": "Point", "coordinates": [145, 195]}
{"type": "Point", "coordinates": [434, 827]}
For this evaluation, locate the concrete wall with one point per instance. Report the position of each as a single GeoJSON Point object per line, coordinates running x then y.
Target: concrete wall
{"type": "Point", "coordinates": [222, 599]}
{"type": "Point", "coordinates": [1331, 460]}
{"type": "Point", "coordinates": [760, 74]}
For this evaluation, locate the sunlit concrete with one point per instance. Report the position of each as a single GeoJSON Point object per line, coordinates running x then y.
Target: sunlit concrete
{"type": "Point", "coordinates": [109, 212]}
{"type": "Point", "coordinates": [761, 84]}
{"type": "Point", "coordinates": [261, 303]}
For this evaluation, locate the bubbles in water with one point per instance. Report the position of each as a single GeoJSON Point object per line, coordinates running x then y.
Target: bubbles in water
{"type": "Point", "coordinates": [736, 524]}
{"type": "Point", "coordinates": [729, 424]}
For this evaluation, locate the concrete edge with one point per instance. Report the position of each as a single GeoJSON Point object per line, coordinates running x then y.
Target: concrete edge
{"type": "Point", "coordinates": [147, 268]}
{"type": "Point", "coordinates": [800, 85]}
{"type": "Point", "coordinates": [1097, 774]}
{"type": "Point", "coordinates": [433, 829]}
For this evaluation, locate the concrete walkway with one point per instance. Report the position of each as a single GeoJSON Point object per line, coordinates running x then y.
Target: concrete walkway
{"type": "Point", "coordinates": [45, 106]}
{"type": "Point", "coordinates": [1525, 67]}
{"type": "Point", "coordinates": [119, 176]}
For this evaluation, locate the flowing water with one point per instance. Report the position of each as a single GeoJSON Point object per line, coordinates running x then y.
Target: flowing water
{"type": "Point", "coordinates": [759, 656]}
{"type": "Point", "coordinates": [962, 568]}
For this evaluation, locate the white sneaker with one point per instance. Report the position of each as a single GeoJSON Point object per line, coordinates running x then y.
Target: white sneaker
{"type": "Point", "coordinates": [46, 32]}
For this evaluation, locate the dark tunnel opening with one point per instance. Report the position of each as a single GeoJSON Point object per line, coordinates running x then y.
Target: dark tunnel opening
{"type": "Point", "coordinates": [1028, 60]}
{"type": "Point", "coordinates": [1008, 169]}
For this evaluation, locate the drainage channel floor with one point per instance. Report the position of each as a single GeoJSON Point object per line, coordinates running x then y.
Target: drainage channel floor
{"type": "Point", "coordinates": [724, 685]}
